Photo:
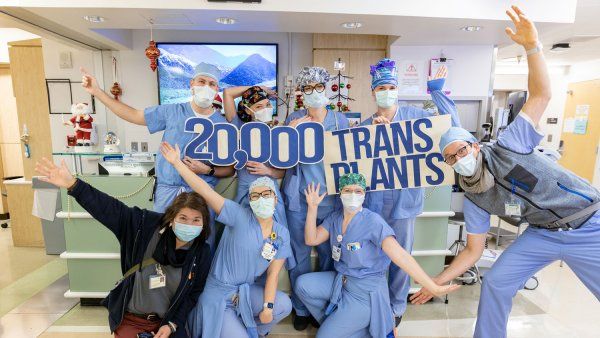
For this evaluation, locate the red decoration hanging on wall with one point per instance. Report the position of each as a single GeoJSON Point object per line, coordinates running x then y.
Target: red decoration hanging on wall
{"type": "Point", "coordinates": [152, 53]}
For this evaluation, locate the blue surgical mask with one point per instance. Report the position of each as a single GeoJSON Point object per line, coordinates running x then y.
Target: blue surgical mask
{"type": "Point", "coordinates": [386, 98]}
{"type": "Point", "coordinates": [263, 207]}
{"type": "Point", "coordinates": [315, 99]}
{"type": "Point", "coordinates": [466, 165]}
{"type": "Point", "coordinates": [186, 232]}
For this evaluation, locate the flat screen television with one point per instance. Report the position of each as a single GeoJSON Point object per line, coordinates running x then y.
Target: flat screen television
{"type": "Point", "coordinates": [515, 102]}
{"type": "Point", "coordinates": [240, 64]}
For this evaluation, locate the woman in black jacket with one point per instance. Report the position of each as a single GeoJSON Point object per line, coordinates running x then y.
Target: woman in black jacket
{"type": "Point", "coordinates": [164, 257]}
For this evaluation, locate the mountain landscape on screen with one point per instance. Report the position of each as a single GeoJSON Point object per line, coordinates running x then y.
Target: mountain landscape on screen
{"type": "Point", "coordinates": [240, 65]}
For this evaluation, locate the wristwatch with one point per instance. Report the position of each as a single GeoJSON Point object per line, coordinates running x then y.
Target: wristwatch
{"type": "Point", "coordinates": [268, 306]}
{"type": "Point", "coordinates": [212, 170]}
{"type": "Point", "coordinates": [538, 48]}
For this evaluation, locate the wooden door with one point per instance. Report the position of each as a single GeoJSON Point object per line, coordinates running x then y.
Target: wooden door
{"type": "Point", "coordinates": [580, 150]}
{"type": "Point", "coordinates": [29, 87]}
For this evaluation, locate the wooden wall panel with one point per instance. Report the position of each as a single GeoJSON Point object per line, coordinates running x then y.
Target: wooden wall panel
{"type": "Point", "coordinates": [359, 66]}
{"type": "Point", "coordinates": [350, 41]}
{"type": "Point", "coordinates": [29, 87]}
{"type": "Point", "coordinates": [26, 229]}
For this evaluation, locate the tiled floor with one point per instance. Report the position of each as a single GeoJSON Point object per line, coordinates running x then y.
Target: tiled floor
{"type": "Point", "coordinates": [32, 304]}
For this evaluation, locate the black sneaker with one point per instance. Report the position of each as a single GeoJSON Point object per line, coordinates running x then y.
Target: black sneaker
{"type": "Point", "coordinates": [314, 322]}
{"type": "Point", "coordinates": [397, 321]}
{"type": "Point", "coordinates": [301, 322]}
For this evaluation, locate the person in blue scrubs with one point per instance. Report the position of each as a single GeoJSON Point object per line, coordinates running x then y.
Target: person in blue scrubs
{"type": "Point", "coordinates": [399, 208]}
{"type": "Point", "coordinates": [170, 118]}
{"type": "Point", "coordinates": [353, 300]}
{"type": "Point", "coordinates": [232, 304]}
{"type": "Point", "coordinates": [254, 106]}
{"type": "Point", "coordinates": [511, 178]}
{"type": "Point", "coordinates": [312, 82]}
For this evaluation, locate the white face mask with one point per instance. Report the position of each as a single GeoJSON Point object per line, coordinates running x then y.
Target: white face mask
{"type": "Point", "coordinates": [263, 115]}
{"type": "Point", "coordinates": [386, 98]}
{"type": "Point", "coordinates": [203, 96]}
{"type": "Point", "coordinates": [466, 165]}
{"type": "Point", "coordinates": [315, 99]}
{"type": "Point", "coordinates": [352, 202]}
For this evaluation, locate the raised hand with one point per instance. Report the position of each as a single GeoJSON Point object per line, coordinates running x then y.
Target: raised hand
{"type": "Point", "coordinates": [60, 176]}
{"type": "Point", "coordinates": [526, 34]}
{"type": "Point", "coordinates": [313, 199]}
{"type": "Point", "coordinates": [172, 155]}
{"type": "Point", "coordinates": [257, 168]}
{"type": "Point", "coordinates": [88, 82]}
{"type": "Point", "coordinates": [441, 73]}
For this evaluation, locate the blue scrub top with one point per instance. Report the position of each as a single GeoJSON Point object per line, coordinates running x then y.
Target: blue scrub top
{"type": "Point", "coordinates": [366, 228]}
{"type": "Point", "coordinates": [309, 173]}
{"type": "Point", "coordinates": [238, 258]}
{"type": "Point", "coordinates": [171, 118]}
{"type": "Point", "coordinates": [408, 203]}
{"type": "Point", "coordinates": [521, 137]}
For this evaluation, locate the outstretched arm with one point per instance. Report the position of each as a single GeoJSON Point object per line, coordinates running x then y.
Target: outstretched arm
{"type": "Point", "coordinates": [406, 262]}
{"type": "Point", "coordinates": [127, 113]}
{"type": "Point", "coordinates": [538, 80]}
{"type": "Point", "coordinates": [173, 156]}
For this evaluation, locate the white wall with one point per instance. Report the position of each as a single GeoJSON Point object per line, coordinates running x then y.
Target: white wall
{"type": "Point", "coordinates": [80, 58]}
{"type": "Point", "coordinates": [514, 78]}
{"type": "Point", "coordinates": [584, 71]}
{"type": "Point", "coordinates": [469, 74]}
{"type": "Point", "coordinates": [139, 83]}
{"type": "Point", "coordinates": [12, 34]}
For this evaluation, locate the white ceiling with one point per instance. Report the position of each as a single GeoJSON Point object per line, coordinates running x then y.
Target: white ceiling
{"type": "Point", "coordinates": [424, 22]}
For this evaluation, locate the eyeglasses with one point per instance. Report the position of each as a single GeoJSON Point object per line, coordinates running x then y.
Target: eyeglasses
{"type": "Point", "coordinates": [265, 194]}
{"type": "Point", "coordinates": [462, 152]}
{"type": "Point", "coordinates": [308, 89]}
{"type": "Point", "coordinates": [355, 191]}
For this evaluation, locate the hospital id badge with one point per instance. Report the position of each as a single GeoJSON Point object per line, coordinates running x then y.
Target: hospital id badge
{"type": "Point", "coordinates": [336, 252]}
{"type": "Point", "coordinates": [512, 209]}
{"type": "Point", "coordinates": [268, 251]}
{"type": "Point", "coordinates": [157, 281]}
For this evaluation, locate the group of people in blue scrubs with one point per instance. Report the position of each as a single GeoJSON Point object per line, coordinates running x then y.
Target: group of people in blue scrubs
{"type": "Point", "coordinates": [356, 291]}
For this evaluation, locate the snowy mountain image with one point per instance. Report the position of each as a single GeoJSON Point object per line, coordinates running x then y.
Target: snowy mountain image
{"type": "Point", "coordinates": [240, 65]}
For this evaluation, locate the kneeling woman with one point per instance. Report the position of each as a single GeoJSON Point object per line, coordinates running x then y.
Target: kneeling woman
{"type": "Point", "coordinates": [164, 257]}
{"type": "Point", "coordinates": [252, 243]}
{"type": "Point", "coordinates": [353, 300]}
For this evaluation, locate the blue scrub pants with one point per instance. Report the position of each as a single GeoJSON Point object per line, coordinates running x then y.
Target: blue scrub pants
{"type": "Point", "coordinates": [399, 281]}
{"type": "Point", "coordinates": [233, 325]}
{"type": "Point", "coordinates": [352, 316]}
{"type": "Point", "coordinates": [296, 221]}
{"type": "Point", "coordinates": [531, 252]}
{"type": "Point", "coordinates": [166, 194]}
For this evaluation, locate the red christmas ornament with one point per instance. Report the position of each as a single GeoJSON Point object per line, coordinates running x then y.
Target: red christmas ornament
{"type": "Point", "coordinates": [339, 104]}
{"type": "Point", "coordinates": [334, 87]}
{"type": "Point", "coordinates": [348, 86]}
{"type": "Point", "coordinates": [152, 53]}
{"type": "Point", "coordinates": [116, 90]}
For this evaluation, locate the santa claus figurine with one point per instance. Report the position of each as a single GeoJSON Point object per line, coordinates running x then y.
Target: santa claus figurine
{"type": "Point", "coordinates": [81, 123]}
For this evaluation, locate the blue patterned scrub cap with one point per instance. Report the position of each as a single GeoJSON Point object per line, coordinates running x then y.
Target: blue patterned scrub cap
{"type": "Point", "coordinates": [262, 182]}
{"type": "Point", "coordinates": [384, 72]}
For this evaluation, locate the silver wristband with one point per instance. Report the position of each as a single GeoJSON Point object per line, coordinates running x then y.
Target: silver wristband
{"type": "Point", "coordinates": [538, 48]}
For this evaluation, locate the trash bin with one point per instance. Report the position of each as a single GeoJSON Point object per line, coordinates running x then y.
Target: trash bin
{"type": "Point", "coordinates": [54, 230]}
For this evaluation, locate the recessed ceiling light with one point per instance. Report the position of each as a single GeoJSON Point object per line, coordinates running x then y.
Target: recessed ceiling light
{"type": "Point", "coordinates": [94, 18]}
{"type": "Point", "coordinates": [225, 21]}
{"type": "Point", "coordinates": [471, 28]}
{"type": "Point", "coordinates": [352, 25]}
